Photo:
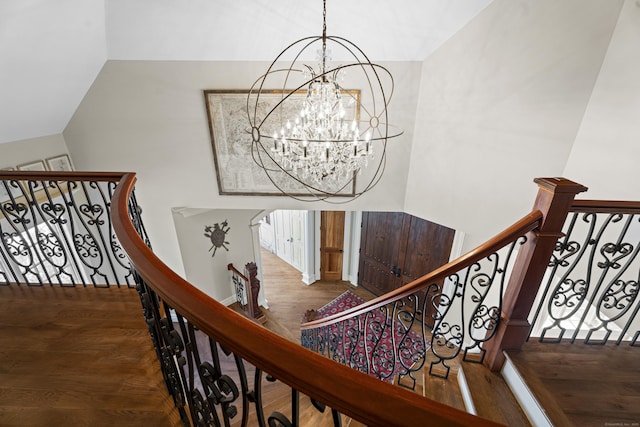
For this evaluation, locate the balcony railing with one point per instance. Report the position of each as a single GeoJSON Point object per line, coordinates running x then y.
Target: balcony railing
{"type": "Point", "coordinates": [591, 289]}
{"type": "Point", "coordinates": [55, 229]}
{"type": "Point", "coordinates": [178, 313]}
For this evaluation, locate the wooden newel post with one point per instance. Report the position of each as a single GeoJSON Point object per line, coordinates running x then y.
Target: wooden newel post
{"type": "Point", "coordinates": [252, 293]}
{"type": "Point", "coordinates": [554, 199]}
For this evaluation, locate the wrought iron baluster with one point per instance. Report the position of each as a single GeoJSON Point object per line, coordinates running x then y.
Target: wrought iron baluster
{"type": "Point", "coordinates": [619, 295]}
{"type": "Point", "coordinates": [484, 320]}
{"type": "Point", "coordinates": [259, 405]}
{"type": "Point", "coordinates": [116, 250]}
{"type": "Point", "coordinates": [247, 395]}
{"type": "Point", "coordinates": [570, 293]}
{"type": "Point", "coordinates": [565, 248]}
{"type": "Point", "coordinates": [99, 223]}
{"type": "Point", "coordinates": [411, 347]}
{"type": "Point", "coordinates": [447, 337]}
{"type": "Point", "coordinates": [54, 244]}
{"type": "Point", "coordinates": [87, 216]}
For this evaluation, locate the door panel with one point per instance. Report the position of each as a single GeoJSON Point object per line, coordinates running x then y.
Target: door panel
{"type": "Point", "coordinates": [289, 236]}
{"type": "Point", "coordinates": [383, 241]}
{"type": "Point", "coordinates": [376, 277]}
{"type": "Point", "coordinates": [331, 244]}
{"type": "Point", "coordinates": [428, 247]}
{"type": "Point", "coordinates": [397, 248]}
{"type": "Point", "coordinates": [297, 220]}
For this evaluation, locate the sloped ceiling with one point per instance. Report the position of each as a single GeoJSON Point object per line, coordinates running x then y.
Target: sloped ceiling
{"type": "Point", "coordinates": [52, 50]}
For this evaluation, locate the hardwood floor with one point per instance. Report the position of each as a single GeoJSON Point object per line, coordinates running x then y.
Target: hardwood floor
{"type": "Point", "coordinates": [83, 357]}
{"type": "Point", "coordinates": [289, 297]}
{"type": "Point", "coordinates": [78, 357]}
{"type": "Point", "coordinates": [583, 385]}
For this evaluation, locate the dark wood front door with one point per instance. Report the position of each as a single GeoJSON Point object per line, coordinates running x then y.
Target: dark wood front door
{"type": "Point", "coordinates": [397, 248]}
{"type": "Point", "coordinates": [381, 243]}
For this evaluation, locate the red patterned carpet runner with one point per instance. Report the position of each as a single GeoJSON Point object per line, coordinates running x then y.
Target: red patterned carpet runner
{"type": "Point", "coordinates": [373, 352]}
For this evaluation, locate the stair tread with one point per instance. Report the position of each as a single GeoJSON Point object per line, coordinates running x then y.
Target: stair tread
{"type": "Point", "coordinates": [492, 397]}
{"type": "Point", "coordinates": [546, 400]}
{"type": "Point", "coordinates": [443, 390]}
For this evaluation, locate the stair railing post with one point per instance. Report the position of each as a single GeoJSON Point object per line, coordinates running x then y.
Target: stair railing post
{"type": "Point", "coordinates": [252, 293]}
{"type": "Point", "coordinates": [554, 199]}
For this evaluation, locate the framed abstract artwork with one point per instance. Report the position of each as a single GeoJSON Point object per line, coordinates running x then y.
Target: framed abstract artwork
{"type": "Point", "coordinates": [236, 171]}
{"type": "Point", "coordinates": [60, 163]}
{"type": "Point", "coordinates": [37, 165]}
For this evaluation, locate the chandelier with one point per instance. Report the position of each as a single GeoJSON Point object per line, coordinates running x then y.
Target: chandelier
{"type": "Point", "coordinates": [314, 139]}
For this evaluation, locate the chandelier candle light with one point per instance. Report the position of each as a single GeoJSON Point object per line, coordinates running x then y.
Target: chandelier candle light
{"type": "Point", "coordinates": [313, 143]}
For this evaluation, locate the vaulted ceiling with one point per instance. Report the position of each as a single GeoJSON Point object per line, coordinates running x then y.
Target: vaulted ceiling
{"type": "Point", "coordinates": [52, 50]}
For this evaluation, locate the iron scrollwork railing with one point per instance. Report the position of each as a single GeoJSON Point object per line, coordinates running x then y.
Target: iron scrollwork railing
{"type": "Point", "coordinates": [246, 290]}
{"type": "Point", "coordinates": [57, 230]}
{"type": "Point", "coordinates": [210, 385]}
{"type": "Point", "coordinates": [218, 364]}
{"type": "Point", "coordinates": [451, 311]}
{"type": "Point", "coordinates": [208, 354]}
{"type": "Point", "coordinates": [591, 287]}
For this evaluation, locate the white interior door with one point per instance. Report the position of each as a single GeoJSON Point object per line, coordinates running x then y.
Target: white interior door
{"type": "Point", "coordinates": [289, 236]}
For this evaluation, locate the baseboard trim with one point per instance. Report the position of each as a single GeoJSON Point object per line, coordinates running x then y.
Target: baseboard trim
{"type": "Point", "coordinates": [530, 406]}
{"type": "Point", "coordinates": [228, 301]}
{"type": "Point", "coordinates": [466, 393]}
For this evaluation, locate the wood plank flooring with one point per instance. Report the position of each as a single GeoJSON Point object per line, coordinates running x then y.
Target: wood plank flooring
{"type": "Point", "coordinates": [289, 297]}
{"type": "Point", "coordinates": [583, 385]}
{"type": "Point", "coordinates": [78, 357]}
{"type": "Point", "coordinates": [83, 357]}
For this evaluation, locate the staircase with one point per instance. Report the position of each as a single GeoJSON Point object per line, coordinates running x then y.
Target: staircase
{"type": "Point", "coordinates": [481, 303]}
{"type": "Point", "coordinates": [470, 387]}
{"type": "Point", "coordinates": [473, 388]}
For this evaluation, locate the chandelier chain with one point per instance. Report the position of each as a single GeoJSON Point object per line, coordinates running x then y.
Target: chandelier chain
{"type": "Point", "coordinates": [324, 37]}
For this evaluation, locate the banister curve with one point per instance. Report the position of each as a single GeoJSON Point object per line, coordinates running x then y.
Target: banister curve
{"type": "Point", "coordinates": [523, 226]}
{"type": "Point", "coordinates": [373, 402]}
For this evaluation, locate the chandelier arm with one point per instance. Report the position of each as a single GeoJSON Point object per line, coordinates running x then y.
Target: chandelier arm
{"type": "Point", "coordinates": [258, 92]}
{"type": "Point", "coordinates": [306, 186]}
{"type": "Point", "coordinates": [345, 43]}
{"type": "Point", "coordinates": [261, 79]}
{"type": "Point", "coordinates": [384, 98]}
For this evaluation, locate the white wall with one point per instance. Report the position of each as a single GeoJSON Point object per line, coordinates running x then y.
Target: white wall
{"type": "Point", "coordinates": [500, 104]}
{"type": "Point", "coordinates": [149, 117]}
{"type": "Point", "coordinates": [607, 148]}
{"type": "Point", "coordinates": [209, 273]}
{"type": "Point", "coordinates": [16, 153]}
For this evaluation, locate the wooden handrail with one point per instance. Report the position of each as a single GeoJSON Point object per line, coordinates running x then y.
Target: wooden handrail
{"type": "Point", "coordinates": [523, 226]}
{"type": "Point", "coordinates": [353, 393]}
{"type": "Point", "coordinates": [606, 206]}
{"type": "Point", "coordinates": [231, 267]}
{"type": "Point", "coordinates": [61, 176]}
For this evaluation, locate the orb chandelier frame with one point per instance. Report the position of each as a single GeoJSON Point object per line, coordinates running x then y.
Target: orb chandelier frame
{"type": "Point", "coordinates": [309, 138]}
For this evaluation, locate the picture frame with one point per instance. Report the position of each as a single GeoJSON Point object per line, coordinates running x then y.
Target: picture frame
{"type": "Point", "coordinates": [37, 165]}
{"type": "Point", "coordinates": [8, 189]}
{"type": "Point", "coordinates": [61, 163]}
{"type": "Point", "coordinates": [236, 171]}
